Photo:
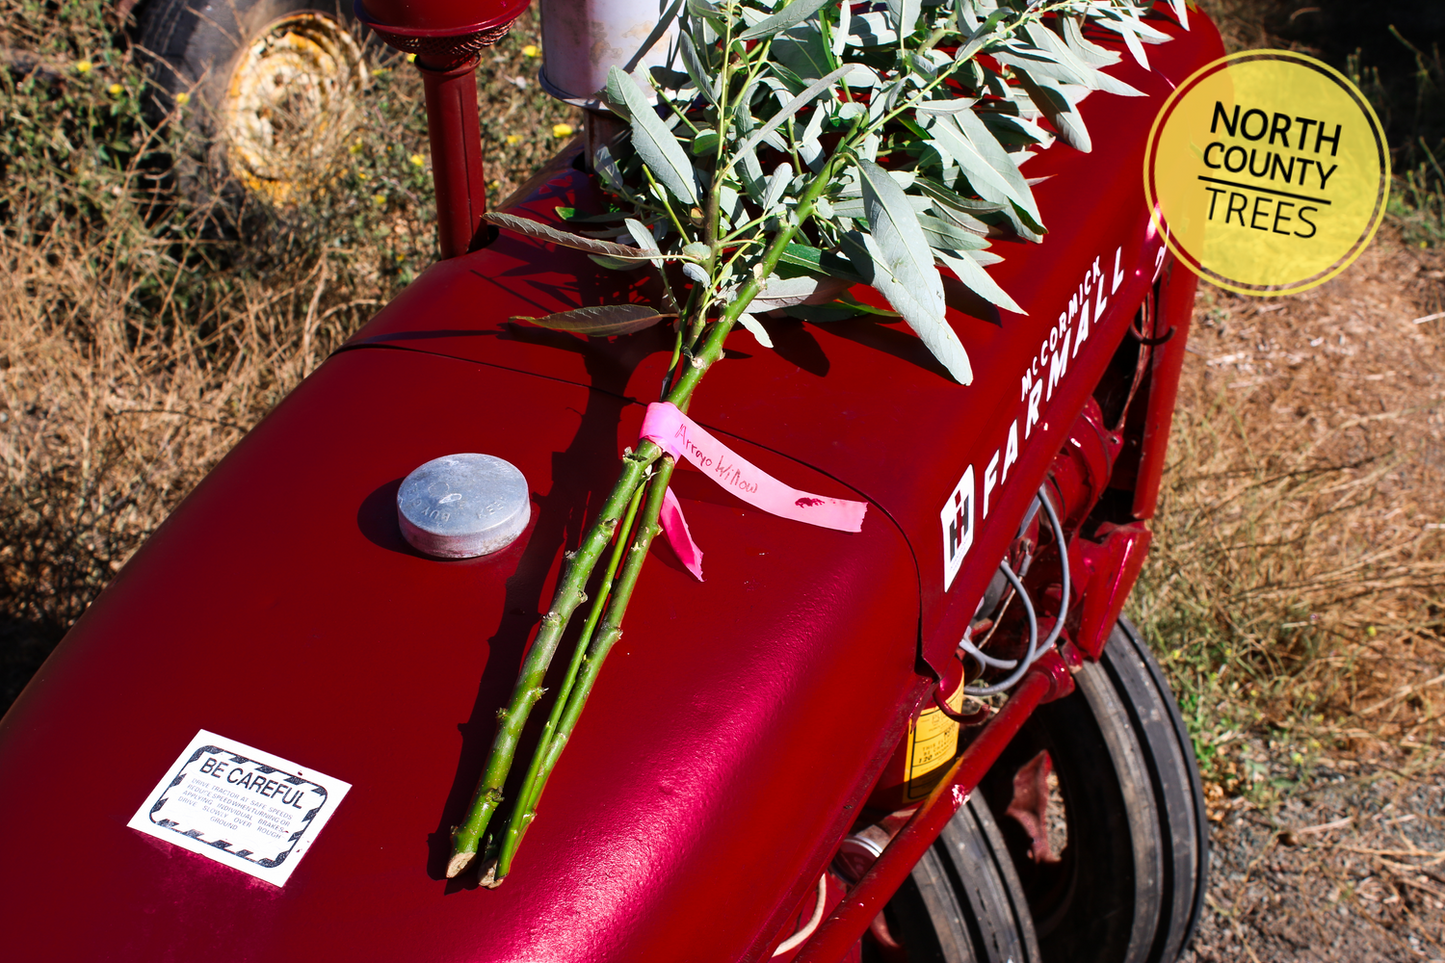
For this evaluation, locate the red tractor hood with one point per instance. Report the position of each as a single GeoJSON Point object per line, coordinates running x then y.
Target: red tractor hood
{"type": "Point", "coordinates": [739, 724]}
{"type": "Point", "coordinates": [860, 401]}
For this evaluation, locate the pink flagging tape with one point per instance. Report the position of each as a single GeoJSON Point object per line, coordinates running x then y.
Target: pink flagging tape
{"type": "Point", "coordinates": [674, 526]}
{"type": "Point", "coordinates": [680, 436]}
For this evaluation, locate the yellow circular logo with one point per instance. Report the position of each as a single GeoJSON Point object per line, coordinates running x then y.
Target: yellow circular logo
{"type": "Point", "coordinates": [1267, 172]}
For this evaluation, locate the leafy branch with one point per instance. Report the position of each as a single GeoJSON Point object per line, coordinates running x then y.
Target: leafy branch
{"type": "Point", "coordinates": [796, 147]}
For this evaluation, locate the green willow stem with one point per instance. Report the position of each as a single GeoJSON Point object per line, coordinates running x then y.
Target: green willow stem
{"type": "Point", "coordinates": [681, 395]}
{"type": "Point", "coordinates": [528, 689]}
{"type": "Point", "coordinates": [611, 631]}
{"type": "Point", "coordinates": [466, 839]}
{"type": "Point", "coordinates": [619, 550]}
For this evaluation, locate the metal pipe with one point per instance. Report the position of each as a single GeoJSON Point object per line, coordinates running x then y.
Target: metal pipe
{"type": "Point", "coordinates": [1047, 679]}
{"type": "Point", "coordinates": [446, 36]}
{"type": "Point", "coordinates": [456, 154]}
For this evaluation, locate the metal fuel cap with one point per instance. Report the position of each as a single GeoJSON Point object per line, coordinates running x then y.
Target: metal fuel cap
{"type": "Point", "coordinates": [461, 506]}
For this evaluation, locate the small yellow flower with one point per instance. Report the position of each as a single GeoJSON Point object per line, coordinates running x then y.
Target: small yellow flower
{"type": "Point", "coordinates": [561, 130]}
{"type": "Point", "coordinates": [115, 90]}
{"type": "Point", "coordinates": [362, 176]}
{"type": "Point", "coordinates": [83, 66]}
{"type": "Point", "coordinates": [183, 98]}
{"type": "Point", "coordinates": [400, 258]}
{"type": "Point", "coordinates": [378, 199]}
{"type": "Point", "coordinates": [417, 160]}
{"type": "Point", "coordinates": [411, 58]}
{"type": "Point", "coordinates": [513, 138]}
{"type": "Point", "coordinates": [531, 50]}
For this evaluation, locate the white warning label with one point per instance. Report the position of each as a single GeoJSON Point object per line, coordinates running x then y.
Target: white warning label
{"type": "Point", "coordinates": [240, 806]}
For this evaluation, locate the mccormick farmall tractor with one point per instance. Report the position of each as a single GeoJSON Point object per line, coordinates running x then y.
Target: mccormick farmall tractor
{"type": "Point", "coordinates": [901, 718]}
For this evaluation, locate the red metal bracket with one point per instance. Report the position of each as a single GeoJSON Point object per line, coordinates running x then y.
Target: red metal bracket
{"type": "Point", "coordinates": [1112, 567]}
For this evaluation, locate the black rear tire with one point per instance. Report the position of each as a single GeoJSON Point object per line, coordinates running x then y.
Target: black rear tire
{"type": "Point", "coordinates": [271, 86]}
{"type": "Point", "coordinates": [1131, 877]}
{"type": "Point", "coordinates": [963, 902]}
{"type": "Point", "coordinates": [196, 43]}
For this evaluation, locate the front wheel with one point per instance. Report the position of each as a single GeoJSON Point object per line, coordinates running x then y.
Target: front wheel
{"type": "Point", "coordinates": [275, 85]}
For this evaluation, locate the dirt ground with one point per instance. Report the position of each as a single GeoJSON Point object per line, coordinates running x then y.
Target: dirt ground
{"type": "Point", "coordinates": [1348, 867]}
{"type": "Point", "coordinates": [1329, 833]}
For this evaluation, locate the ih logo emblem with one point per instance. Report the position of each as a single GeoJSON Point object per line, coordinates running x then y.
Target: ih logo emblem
{"type": "Point", "coordinates": [957, 519]}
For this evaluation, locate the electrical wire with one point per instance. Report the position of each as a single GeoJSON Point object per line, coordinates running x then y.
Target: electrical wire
{"type": "Point", "coordinates": [1018, 673]}
{"type": "Point", "coordinates": [796, 940]}
{"type": "Point", "coordinates": [1035, 648]}
{"type": "Point", "coordinates": [983, 659]}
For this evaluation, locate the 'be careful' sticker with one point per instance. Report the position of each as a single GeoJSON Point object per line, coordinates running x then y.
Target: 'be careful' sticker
{"type": "Point", "coordinates": [1267, 172]}
{"type": "Point", "coordinates": [240, 806]}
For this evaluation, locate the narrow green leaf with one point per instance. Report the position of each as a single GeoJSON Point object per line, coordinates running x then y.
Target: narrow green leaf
{"type": "Point", "coordinates": [752, 171]}
{"type": "Point", "coordinates": [803, 51]}
{"type": "Point", "coordinates": [777, 184]}
{"type": "Point", "coordinates": [654, 143]}
{"type": "Point", "coordinates": [951, 106]}
{"type": "Point", "coordinates": [1085, 49]}
{"type": "Point", "coordinates": [946, 236]}
{"type": "Point", "coordinates": [783, 78]}
{"type": "Point", "coordinates": [904, 14]}
{"type": "Point", "coordinates": [778, 292]}
{"type": "Point", "coordinates": [795, 12]}
{"type": "Point", "coordinates": [903, 268]}
{"type": "Point", "coordinates": [810, 93]}
{"type": "Point", "coordinates": [1054, 104]}
{"type": "Point", "coordinates": [927, 320]}
{"type": "Point", "coordinates": [756, 329]}
{"type": "Point", "coordinates": [999, 159]}
{"type": "Point", "coordinates": [1065, 52]}
{"type": "Point", "coordinates": [697, 72]}
{"type": "Point", "coordinates": [815, 261]}
{"type": "Point", "coordinates": [948, 137]}
{"type": "Point", "coordinates": [1052, 45]}
{"type": "Point", "coordinates": [639, 232]}
{"type": "Point", "coordinates": [843, 309]}
{"type": "Point", "coordinates": [977, 280]}
{"type": "Point", "coordinates": [613, 263]}
{"type": "Point", "coordinates": [544, 232]}
{"type": "Point", "coordinates": [1180, 12]}
{"type": "Point", "coordinates": [979, 38]}
{"type": "Point", "coordinates": [702, 8]}
{"type": "Point", "coordinates": [600, 321]}
{"type": "Point", "coordinates": [705, 143]}
{"type": "Point", "coordinates": [615, 93]}
{"type": "Point", "coordinates": [955, 201]}
{"type": "Point", "coordinates": [610, 173]}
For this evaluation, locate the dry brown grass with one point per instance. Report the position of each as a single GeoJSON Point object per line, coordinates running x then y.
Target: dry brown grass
{"type": "Point", "coordinates": [1298, 576]}
{"type": "Point", "coordinates": [1296, 589]}
{"type": "Point", "coordinates": [144, 328]}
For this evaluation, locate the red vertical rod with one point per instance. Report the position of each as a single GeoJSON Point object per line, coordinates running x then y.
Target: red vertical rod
{"type": "Point", "coordinates": [456, 154]}
{"type": "Point", "coordinates": [1176, 306]}
{"type": "Point", "coordinates": [853, 915]}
